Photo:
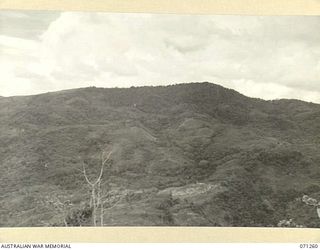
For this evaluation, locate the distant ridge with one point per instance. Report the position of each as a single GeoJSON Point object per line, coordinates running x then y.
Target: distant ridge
{"type": "Point", "coordinates": [151, 87]}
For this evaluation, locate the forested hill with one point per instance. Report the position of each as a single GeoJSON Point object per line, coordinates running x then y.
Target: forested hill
{"type": "Point", "coordinates": [191, 154]}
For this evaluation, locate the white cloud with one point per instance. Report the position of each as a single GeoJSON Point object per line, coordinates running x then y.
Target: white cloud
{"type": "Point", "coordinates": [266, 57]}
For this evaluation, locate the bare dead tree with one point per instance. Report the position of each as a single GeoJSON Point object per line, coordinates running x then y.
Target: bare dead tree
{"type": "Point", "coordinates": [95, 186]}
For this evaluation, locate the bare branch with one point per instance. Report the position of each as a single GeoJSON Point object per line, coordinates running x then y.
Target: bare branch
{"type": "Point", "coordinates": [99, 178]}
{"type": "Point", "coordinates": [106, 159]}
{"type": "Point", "coordinates": [114, 204]}
{"type": "Point", "coordinates": [85, 176]}
{"type": "Point", "coordinates": [103, 161]}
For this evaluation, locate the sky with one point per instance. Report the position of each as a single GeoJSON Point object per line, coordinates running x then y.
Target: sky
{"type": "Point", "coordinates": [269, 57]}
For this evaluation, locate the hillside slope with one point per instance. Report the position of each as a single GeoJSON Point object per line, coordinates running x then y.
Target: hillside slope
{"type": "Point", "coordinates": [191, 154]}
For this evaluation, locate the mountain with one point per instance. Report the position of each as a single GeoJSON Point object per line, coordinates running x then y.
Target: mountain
{"type": "Point", "coordinates": [192, 154]}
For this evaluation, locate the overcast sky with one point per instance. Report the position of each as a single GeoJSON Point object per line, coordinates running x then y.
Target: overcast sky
{"type": "Point", "coordinates": [265, 57]}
